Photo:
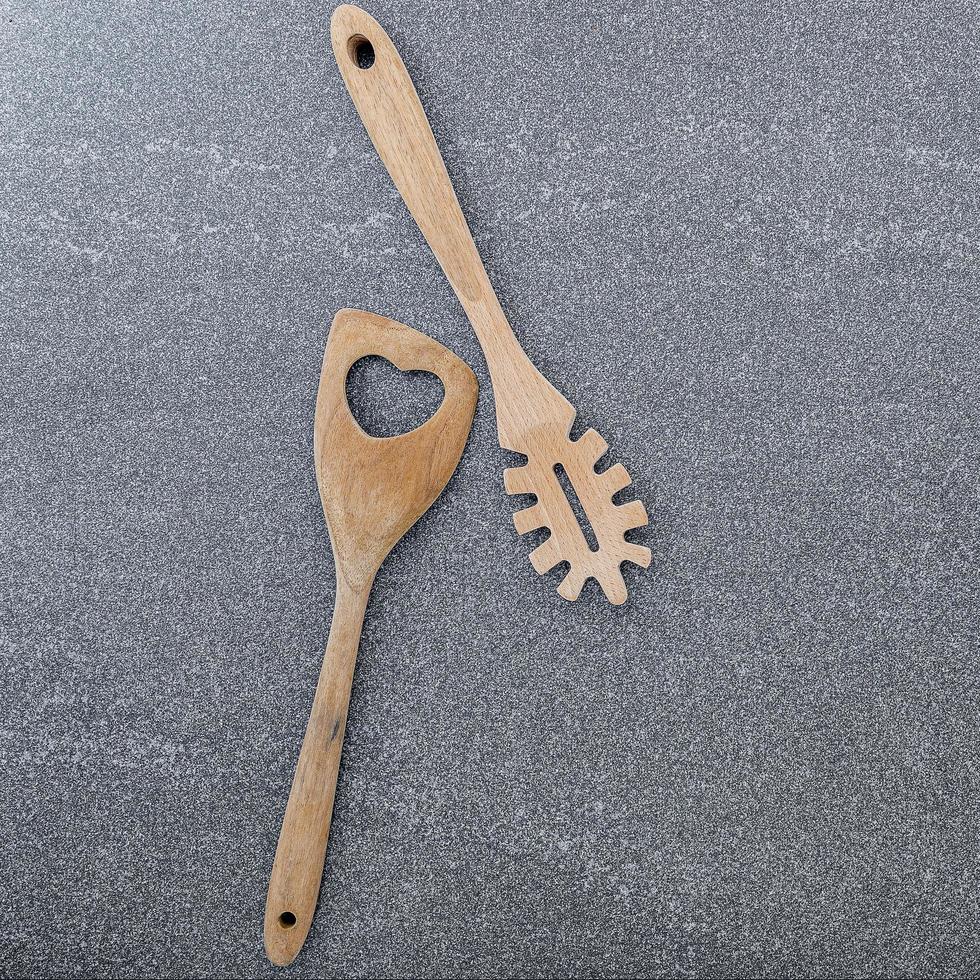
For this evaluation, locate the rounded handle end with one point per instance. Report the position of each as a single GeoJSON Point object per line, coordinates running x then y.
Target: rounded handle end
{"type": "Point", "coordinates": [355, 34]}
{"type": "Point", "coordinates": [285, 932]}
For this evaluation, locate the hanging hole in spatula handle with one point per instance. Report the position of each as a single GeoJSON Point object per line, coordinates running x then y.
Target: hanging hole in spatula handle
{"type": "Point", "coordinates": [360, 51]}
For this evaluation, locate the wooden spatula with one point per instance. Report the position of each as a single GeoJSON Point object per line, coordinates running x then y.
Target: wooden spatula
{"type": "Point", "coordinates": [373, 491]}
{"type": "Point", "coordinates": [532, 417]}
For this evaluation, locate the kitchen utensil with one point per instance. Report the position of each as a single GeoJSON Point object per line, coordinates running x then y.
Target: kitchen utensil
{"type": "Point", "coordinates": [533, 418]}
{"type": "Point", "coordinates": [373, 491]}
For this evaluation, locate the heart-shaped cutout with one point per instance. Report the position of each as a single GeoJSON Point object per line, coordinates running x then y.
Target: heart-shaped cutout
{"type": "Point", "coordinates": [387, 401]}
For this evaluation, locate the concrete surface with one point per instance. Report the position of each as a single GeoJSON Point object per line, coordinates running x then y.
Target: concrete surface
{"type": "Point", "coordinates": [744, 242]}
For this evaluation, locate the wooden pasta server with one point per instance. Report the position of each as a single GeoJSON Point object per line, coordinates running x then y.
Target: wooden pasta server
{"type": "Point", "coordinates": [533, 418]}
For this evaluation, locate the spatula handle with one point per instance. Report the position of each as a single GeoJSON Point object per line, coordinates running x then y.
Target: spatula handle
{"type": "Point", "coordinates": [298, 866]}
{"type": "Point", "coordinates": [396, 122]}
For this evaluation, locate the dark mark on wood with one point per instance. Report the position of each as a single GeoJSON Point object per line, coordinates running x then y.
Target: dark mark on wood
{"type": "Point", "coordinates": [336, 728]}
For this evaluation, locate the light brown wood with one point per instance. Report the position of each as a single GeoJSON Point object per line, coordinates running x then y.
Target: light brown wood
{"type": "Point", "coordinates": [372, 490]}
{"type": "Point", "coordinates": [533, 418]}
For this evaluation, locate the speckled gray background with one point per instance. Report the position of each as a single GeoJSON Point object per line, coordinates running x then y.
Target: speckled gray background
{"type": "Point", "coordinates": [745, 244]}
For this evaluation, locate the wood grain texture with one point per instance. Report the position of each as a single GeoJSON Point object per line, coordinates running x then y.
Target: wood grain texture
{"type": "Point", "coordinates": [533, 418]}
{"type": "Point", "coordinates": [372, 490]}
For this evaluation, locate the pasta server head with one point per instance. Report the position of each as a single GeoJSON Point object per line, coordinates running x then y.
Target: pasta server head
{"type": "Point", "coordinates": [558, 467]}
